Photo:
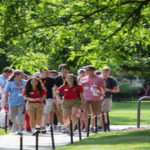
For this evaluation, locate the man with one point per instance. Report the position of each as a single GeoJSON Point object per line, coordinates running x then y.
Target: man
{"type": "Point", "coordinates": [60, 80]}
{"type": "Point", "coordinates": [111, 87]}
{"type": "Point", "coordinates": [3, 80]}
{"type": "Point", "coordinates": [47, 83]}
{"type": "Point", "coordinates": [93, 92]}
{"type": "Point", "coordinates": [52, 73]}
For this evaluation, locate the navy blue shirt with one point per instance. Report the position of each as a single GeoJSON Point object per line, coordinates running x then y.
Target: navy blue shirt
{"type": "Point", "coordinates": [110, 83]}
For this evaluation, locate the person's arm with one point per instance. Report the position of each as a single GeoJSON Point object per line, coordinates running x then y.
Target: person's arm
{"type": "Point", "coordinates": [115, 89]}
{"type": "Point", "coordinates": [4, 99]}
{"type": "Point", "coordinates": [82, 97]}
{"type": "Point", "coordinates": [58, 98]}
{"type": "Point", "coordinates": [27, 98]}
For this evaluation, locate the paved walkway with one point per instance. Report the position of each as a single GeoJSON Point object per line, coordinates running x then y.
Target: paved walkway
{"type": "Point", "coordinates": [12, 141]}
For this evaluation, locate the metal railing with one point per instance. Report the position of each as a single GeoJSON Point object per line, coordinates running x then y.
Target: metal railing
{"type": "Point", "coordinates": [139, 109]}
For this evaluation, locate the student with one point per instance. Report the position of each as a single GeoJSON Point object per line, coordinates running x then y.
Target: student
{"type": "Point", "coordinates": [14, 88]}
{"type": "Point", "coordinates": [71, 99]}
{"type": "Point", "coordinates": [93, 92]}
{"type": "Point", "coordinates": [60, 80]}
{"type": "Point", "coordinates": [48, 84]}
{"type": "Point", "coordinates": [3, 80]}
{"type": "Point", "coordinates": [34, 94]}
{"type": "Point", "coordinates": [111, 87]}
{"type": "Point", "coordinates": [52, 73]}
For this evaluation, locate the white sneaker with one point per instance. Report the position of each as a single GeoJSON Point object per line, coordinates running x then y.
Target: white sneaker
{"type": "Point", "coordinates": [65, 130]}
{"type": "Point", "coordinates": [33, 131]}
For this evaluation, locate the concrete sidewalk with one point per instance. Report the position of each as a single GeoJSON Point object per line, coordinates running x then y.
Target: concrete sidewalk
{"type": "Point", "coordinates": [12, 141]}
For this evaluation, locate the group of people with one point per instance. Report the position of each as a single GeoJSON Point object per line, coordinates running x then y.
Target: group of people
{"type": "Point", "coordinates": [55, 97]}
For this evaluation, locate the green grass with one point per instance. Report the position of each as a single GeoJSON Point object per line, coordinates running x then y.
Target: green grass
{"type": "Point", "coordinates": [125, 113]}
{"type": "Point", "coordinates": [122, 113]}
{"type": "Point", "coordinates": [2, 132]}
{"type": "Point", "coordinates": [125, 140]}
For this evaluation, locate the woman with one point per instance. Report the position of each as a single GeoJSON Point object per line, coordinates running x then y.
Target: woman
{"type": "Point", "coordinates": [34, 94]}
{"type": "Point", "coordinates": [13, 91]}
{"type": "Point", "coordinates": [71, 99]}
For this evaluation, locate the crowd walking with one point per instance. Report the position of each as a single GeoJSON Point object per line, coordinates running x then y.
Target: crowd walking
{"type": "Point", "coordinates": [49, 97]}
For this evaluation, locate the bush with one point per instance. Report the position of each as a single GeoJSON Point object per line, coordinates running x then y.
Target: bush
{"type": "Point", "coordinates": [128, 90]}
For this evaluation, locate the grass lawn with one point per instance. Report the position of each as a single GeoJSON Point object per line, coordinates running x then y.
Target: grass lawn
{"type": "Point", "coordinates": [125, 140]}
{"type": "Point", "coordinates": [122, 113]}
{"type": "Point", "coordinates": [2, 131]}
{"type": "Point", "coordinates": [125, 113]}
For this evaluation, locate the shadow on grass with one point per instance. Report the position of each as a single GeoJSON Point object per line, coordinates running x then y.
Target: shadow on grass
{"type": "Point", "coordinates": [113, 138]}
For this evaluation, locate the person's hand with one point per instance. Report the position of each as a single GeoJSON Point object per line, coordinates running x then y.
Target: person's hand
{"type": "Point", "coordinates": [107, 90]}
{"type": "Point", "coordinates": [3, 86]}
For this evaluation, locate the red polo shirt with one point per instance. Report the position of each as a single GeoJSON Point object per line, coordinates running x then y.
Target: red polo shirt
{"type": "Point", "coordinates": [70, 93]}
{"type": "Point", "coordinates": [35, 94]}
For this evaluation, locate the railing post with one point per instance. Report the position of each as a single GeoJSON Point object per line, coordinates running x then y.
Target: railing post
{"type": "Point", "coordinates": [96, 123]}
{"type": "Point", "coordinates": [37, 140]}
{"type": "Point", "coordinates": [6, 122]}
{"type": "Point", "coordinates": [108, 122]}
{"type": "Point", "coordinates": [88, 127]}
{"type": "Point", "coordinates": [71, 132]}
{"type": "Point", "coordinates": [52, 136]}
{"type": "Point", "coordinates": [79, 128]}
{"type": "Point", "coordinates": [21, 142]}
{"type": "Point", "coordinates": [138, 113]}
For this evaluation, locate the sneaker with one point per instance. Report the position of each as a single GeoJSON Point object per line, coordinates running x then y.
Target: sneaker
{"type": "Point", "coordinates": [28, 130]}
{"type": "Point", "coordinates": [33, 131]}
{"type": "Point", "coordinates": [38, 127]}
{"type": "Point", "coordinates": [43, 130]}
{"type": "Point", "coordinates": [92, 130]}
{"type": "Point", "coordinates": [84, 129]}
{"type": "Point", "coordinates": [19, 131]}
{"type": "Point", "coordinates": [65, 130]}
{"type": "Point", "coordinates": [14, 128]}
{"type": "Point", "coordinates": [100, 128]}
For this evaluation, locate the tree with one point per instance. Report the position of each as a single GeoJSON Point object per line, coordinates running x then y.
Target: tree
{"type": "Point", "coordinates": [102, 32]}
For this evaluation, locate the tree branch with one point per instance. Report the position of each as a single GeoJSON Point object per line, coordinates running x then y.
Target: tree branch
{"type": "Point", "coordinates": [135, 12]}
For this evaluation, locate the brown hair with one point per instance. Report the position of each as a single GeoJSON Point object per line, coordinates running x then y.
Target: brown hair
{"type": "Point", "coordinates": [7, 69]}
{"type": "Point", "coordinates": [91, 67]}
{"type": "Point", "coordinates": [63, 66]}
{"type": "Point", "coordinates": [15, 73]}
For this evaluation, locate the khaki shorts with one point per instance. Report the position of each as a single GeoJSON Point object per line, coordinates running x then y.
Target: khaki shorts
{"type": "Point", "coordinates": [57, 107]}
{"type": "Point", "coordinates": [30, 106]}
{"type": "Point", "coordinates": [92, 106]}
{"type": "Point", "coordinates": [69, 104]}
{"type": "Point", "coordinates": [106, 105]}
{"type": "Point", "coordinates": [48, 107]}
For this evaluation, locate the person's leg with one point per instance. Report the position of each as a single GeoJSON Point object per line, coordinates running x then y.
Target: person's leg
{"type": "Point", "coordinates": [95, 105]}
{"type": "Point", "coordinates": [86, 112]}
{"type": "Point", "coordinates": [13, 114]}
{"type": "Point", "coordinates": [51, 117]}
{"type": "Point", "coordinates": [74, 116]}
{"type": "Point", "coordinates": [66, 114]}
{"type": "Point", "coordinates": [59, 113]}
{"type": "Point", "coordinates": [38, 114]}
{"type": "Point", "coordinates": [105, 107]}
{"type": "Point", "coordinates": [21, 118]}
{"type": "Point", "coordinates": [45, 118]}
{"type": "Point", "coordinates": [31, 113]}
{"type": "Point", "coordinates": [27, 121]}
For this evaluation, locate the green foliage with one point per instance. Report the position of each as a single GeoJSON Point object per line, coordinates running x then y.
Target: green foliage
{"type": "Point", "coordinates": [99, 32]}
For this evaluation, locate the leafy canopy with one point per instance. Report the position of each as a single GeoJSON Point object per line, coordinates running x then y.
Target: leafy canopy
{"type": "Point", "coordinates": [43, 33]}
